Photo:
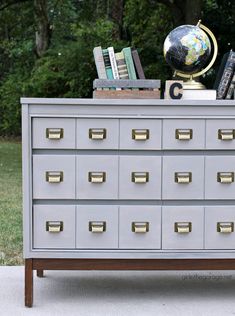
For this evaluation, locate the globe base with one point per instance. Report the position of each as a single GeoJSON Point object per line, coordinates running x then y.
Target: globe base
{"type": "Point", "coordinates": [193, 85]}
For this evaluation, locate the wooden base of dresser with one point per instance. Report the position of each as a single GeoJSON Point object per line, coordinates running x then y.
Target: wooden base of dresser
{"type": "Point", "coordinates": [117, 264]}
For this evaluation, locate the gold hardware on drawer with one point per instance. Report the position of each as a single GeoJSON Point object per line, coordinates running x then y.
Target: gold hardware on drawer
{"type": "Point", "coordinates": [54, 226]}
{"type": "Point", "coordinates": [96, 177]}
{"type": "Point", "coordinates": [54, 176]}
{"type": "Point", "coordinates": [183, 227]}
{"type": "Point", "coordinates": [140, 177]}
{"type": "Point", "coordinates": [97, 227]}
{"type": "Point", "coordinates": [225, 177]}
{"type": "Point", "coordinates": [140, 134]}
{"type": "Point", "coordinates": [226, 134]}
{"type": "Point", "coordinates": [183, 177]}
{"type": "Point", "coordinates": [54, 133]}
{"type": "Point", "coordinates": [225, 227]}
{"type": "Point", "coordinates": [140, 227]}
{"type": "Point", "coordinates": [184, 134]}
{"type": "Point", "coordinates": [97, 133]}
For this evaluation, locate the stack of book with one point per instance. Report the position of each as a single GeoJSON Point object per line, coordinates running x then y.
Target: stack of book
{"type": "Point", "coordinates": [225, 79]}
{"type": "Point", "coordinates": [124, 65]}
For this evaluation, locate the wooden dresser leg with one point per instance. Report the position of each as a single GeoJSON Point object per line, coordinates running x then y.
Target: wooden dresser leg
{"type": "Point", "coordinates": [29, 282]}
{"type": "Point", "coordinates": [40, 273]}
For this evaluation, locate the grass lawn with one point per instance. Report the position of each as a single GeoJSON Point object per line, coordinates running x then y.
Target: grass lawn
{"type": "Point", "coordinates": [10, 203]}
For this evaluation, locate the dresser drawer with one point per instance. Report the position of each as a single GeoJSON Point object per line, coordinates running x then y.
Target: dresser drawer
{"type": "Point", "coordinates": [140, 177]}
{"type": "Point", "coordinates": [97, 226]}
{"type": "Point", "coordinates": [219, 182]}
{"type": "Point", "coordinates": [140, 227]}
{"type": "Point", "coordinates": [220, 134]}
{"type": "Point", "coordinates": [97, 177]}
{"type": "Point", "coordinates": [183, 134]}
{"type": "Point", "coordinates": [141, 134]}
{"type": "Point", "coordinates": [97, 133]}
{"type": "Point", "coordinates": [54, 226]}
{"type": "Point", "coordinates": [219, 227]}
{"type": "Point", "coordinates": [53, 177]}
{"type": "Point", "coordinates": [55, 133]}
{"type": "Point", "coordinates": [182, 227]}
{"type": "Point", "coordinates": [183, 177]}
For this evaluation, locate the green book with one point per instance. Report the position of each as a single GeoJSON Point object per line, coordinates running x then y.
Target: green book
{"type": "Point", "coordinates": [129, 63]}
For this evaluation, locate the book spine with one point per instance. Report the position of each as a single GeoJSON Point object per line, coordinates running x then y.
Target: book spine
{"type": "Point", "coordinates": [231, 89]}
{"type": "Point", "coordinates": [227, 76]}
{"type": "Point", "coordinates": [99, 61]}
{"type": "Point", "coordinates": [138, 66]}
{"type": "Point", "coordinates": [107, 64]}
{"type": "Point", "coordinates": [121, 65]}
{"type": "Point", "coordinates": [113, 63]}
{"type": "Point", "coordinates": [129, 63]}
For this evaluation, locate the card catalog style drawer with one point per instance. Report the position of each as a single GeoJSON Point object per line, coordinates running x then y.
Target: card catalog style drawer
{"type": "Point", "coordinates": [140, 134]}
{"type": "Point", "coordinates": [182, 227]}
{"type": "Point", "coordinates": [97, 226]}
{"type": "Point", "coordinates": [54, 226]}
{"type": "Point", "coordinates": [219, 182]}
{"type": "Point", "coordinates": [140, 177]}
{"type": "Point", "coordinates": [183, 134]}
{"type": "Point", "coordinates": [219, 227]}
{"type": "Point", "coordinates": [53, 177]}
{"type": "Point", "coordinates": [220, 134]}
{"type": "Point", "coordinates": [97, 133]}
{"type": "Point", "coordinates": [55, 133]}
{"type": "Point", "coordinates": [140, 227]}
{"type": "Point", "coordinates": [183, 177]}
{"type": "Point", "coordinates": [97, 177]}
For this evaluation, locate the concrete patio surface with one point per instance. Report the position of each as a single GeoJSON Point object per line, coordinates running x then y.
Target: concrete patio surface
{"type": "Point", "coordinates": [115, 293]}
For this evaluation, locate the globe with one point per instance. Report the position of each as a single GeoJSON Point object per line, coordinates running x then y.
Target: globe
{"type": "Point", "coordinates": [187, 49]}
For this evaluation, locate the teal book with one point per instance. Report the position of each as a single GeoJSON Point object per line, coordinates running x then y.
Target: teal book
{"type": "Point", "coordinates": [107, 63]}
{"type": "Point", "coordinates": [129, 63]}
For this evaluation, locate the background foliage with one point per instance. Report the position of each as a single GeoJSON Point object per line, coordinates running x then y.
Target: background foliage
{"type": "Point", "coordinates": [46, 45]}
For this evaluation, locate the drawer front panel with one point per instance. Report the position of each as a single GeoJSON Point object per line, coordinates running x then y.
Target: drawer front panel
{"type": "Point", "coordinates": [219, 227]}
{"type": "Point", "coordinates": [140, 134]}
{"type": "Point", "coordinates": [183, 177]}
{"type": "Point", "coordinates": [220, 134]}
{"type": "Point", "coordinates": [55, 133]}
{"type": "Point", "coordinates": [140, 177]}
{"type": "Point", "coordinates": [140, 227]}
{"type": "Point", "coordinates": [97, 133]}
{"type": "Point", "coordinates": [97, 226]}
{"type": "Point", "coordinates": [182, 227]}
{"type": "Point", "coordinates": [183, 134]}
{"type": "Point", "coordinates": [219, 177]}
{"type": "Point", "coordinates": [97, 177]}
{"type": "Point", "coordinates": [54, 226]}
{"type": "Point", "coordinates": [53, 177]}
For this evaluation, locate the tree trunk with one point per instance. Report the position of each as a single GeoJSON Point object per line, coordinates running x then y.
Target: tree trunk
{"type": "Point", "coordinates": [193, 11]}
{"type": "Point", "coordinates": [116, 14]}
{"type": "Point", "coordinates": [43, 31]}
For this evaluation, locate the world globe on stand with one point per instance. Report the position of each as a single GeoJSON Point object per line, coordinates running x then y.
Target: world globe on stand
{"type": "Point", "coordinates": [187, 49]}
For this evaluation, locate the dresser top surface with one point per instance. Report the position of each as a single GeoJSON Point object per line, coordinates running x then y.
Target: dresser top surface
{"type": "Point", "coordinates": [124, 102]}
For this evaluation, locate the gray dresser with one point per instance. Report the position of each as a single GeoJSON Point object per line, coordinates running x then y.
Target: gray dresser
{"type": "Point", "coordinates": [128, 179]}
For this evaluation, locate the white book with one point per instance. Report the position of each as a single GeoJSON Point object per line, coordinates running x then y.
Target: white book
{"type": "Point", "coordinates": [113, 64]}
{"type": "Point", "coordinates": [200, 94]}
{"type": "Point", "coordinates": [99, 62]}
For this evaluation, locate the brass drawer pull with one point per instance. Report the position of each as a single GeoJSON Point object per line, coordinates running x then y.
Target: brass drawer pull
{"type": "Point", "coordinates": [226, 134]}
{"type": "Point", "coordinates": [140, 227]}
{"type": "Point", "coordinates": [140, 177]}
{"type": "Point", "coordinates": [54, 226]}
{"type": "Point", "coordinates": [97, 227]}
{"type": "Point", "coordinates": [140, 134]}
{"type": "Point", "coordinates": [225, 177]}
{"type": "Point", "coordinates": [54, 133]}
{"type": "Point", "coordinates": [54, 176]}
{"type": "Point", "coordinates": [184, 134]}
{"type": "Point", "coordinates": [225, 228]}
{"type": "Point", "coordinates": [97, 133]}
{"type": "Point", "coordinates": [183, 227]}
{"type": "Point", "coordinates": [183, 177]}
{"type": "Point", "coordinates": [96, 177]}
